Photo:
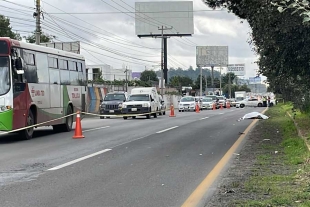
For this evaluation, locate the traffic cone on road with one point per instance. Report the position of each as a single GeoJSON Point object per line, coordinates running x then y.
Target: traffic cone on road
{"type": "Point", "coordinates": [221, 106]}
{"type": "Point", "coordinates": [228, 105]}
{"type": "Point", "coordinates": [214, 108]}
{"type": "Point", "coordinates": [197, 108]}
{"type": "Point", "coordinates": [172, 111]}
{"type": "Point", "coordinates": [78, 128]}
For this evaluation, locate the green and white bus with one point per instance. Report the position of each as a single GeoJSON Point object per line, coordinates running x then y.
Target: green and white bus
{"type": "Point", "coordinates": [39, 84]}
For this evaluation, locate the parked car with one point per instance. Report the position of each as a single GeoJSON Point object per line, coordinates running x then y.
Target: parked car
{"type": "Point", "coordinates": [254, 102]}
{"type": "Point", "coordinates": [112, 103]}
{"type": "Point", "coordinates": [222, 101]}
{"type": "Point", "coordinates": [232, 102]}
{"type": "Point", "coordinates": [207, 103]}
{"type": "Point", "coordinates": [187, 103]}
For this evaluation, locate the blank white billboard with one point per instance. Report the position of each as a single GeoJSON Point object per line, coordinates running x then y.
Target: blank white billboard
{"type": "Point", "coordinates": [152, 15]}
{"type": "Point", "coordinates": [207, 56]}
{"type": "Point", "coordinates": [237, 69]}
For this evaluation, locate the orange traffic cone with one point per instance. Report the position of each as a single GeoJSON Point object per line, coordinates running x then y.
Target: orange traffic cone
{"type": "Point", "coordinates": [213, 107]}
{"type": "Point", "coordinates": [228, 105]}
{"type": "Point", "coordinates": [221, 106]}
{"type": "Point", "coordinates": [197, 108]}
{"type": "Point", "coordinates": [172, 111]}
{"type": "Point", "coordinates": [78, 128]}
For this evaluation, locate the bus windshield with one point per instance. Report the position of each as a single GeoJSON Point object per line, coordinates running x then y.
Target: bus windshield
{"type": "Point", "coordinates": [4, 75]}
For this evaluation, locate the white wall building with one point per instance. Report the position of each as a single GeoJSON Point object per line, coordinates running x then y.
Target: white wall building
{"type": "Point", "coordinates": [108, 72]}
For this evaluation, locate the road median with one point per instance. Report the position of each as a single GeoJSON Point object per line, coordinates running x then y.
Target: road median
{"type": "Point", "coordinates": [273, 168]}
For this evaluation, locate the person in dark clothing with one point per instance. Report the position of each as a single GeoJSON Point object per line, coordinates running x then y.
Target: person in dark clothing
{"type": "Point", "coordinates": [268, 101]}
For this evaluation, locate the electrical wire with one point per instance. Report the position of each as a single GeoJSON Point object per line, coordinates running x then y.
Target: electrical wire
{"type": "Point", "coordinates": [110, 33]}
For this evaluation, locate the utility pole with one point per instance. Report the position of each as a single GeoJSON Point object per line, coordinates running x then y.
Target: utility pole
{"type": "Point", "coordinates": [38, 22]}
{"type": "Point", "coordinates": [126, 79]}
{"type": "Point", "coordinates": [162, 58]}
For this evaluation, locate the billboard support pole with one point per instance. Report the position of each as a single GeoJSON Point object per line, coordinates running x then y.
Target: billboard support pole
{"type": "Point", "coordinates": [212, 78]}
{"type": "Point", "coordinates": [162, 58]}
{"type": "Point", "coordinates": [229, 85]}
{"type": "Point", "coordinates": [221, 93]}
{"type": "Point", "coordinates": [200, 91]}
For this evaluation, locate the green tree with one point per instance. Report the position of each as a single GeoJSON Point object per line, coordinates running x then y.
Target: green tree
{"type": "Point", "coordinates": [197, 83]}
{"type": "Point", "coordinates": [44, 38]}
{"type": "Point", "coordinates": [178, 81]}
{"type": "Point", "coordinates": [225, 78]}
{"type": "Point", "coordinates": [279, 39]}
{"type": "Point", "coordinates": [6, 29]}
{"type": "Point", "coordinates": [148, 75]}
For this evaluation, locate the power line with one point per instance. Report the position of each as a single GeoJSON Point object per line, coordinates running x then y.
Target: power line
{"type": "Point", "coordinates": [107, 48]}
{"type": "Point", "coordinates": [28, 7]}
{"type": "Point", "coordinates": [116, 36]}
{"type": "Point", "coordinates": [97, 36]}
{"type": "Point", "coordinates": [122, 12]}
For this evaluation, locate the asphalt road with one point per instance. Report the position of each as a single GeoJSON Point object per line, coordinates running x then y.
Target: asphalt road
{"type": "Point", "coordinates": [134, 162]}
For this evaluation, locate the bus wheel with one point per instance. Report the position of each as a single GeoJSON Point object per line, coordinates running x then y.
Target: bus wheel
{"type": "Point", "coordinates": [67, 127]}
{"type": "Point", "coordinates": [28, 133]}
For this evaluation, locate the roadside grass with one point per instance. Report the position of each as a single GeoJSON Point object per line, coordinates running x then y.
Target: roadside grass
{"type": "Point", "coordinates": [281, 173]}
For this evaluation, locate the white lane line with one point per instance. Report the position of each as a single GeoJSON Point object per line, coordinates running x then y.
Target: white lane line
{"type": "Point", "coordinates": [167, 129]}
{"type": "Point", "coordinates": [221, 113]}
{"type": "Point", "coordinates": [204, 118]}
{"type": "Point", "coordinates": [79, 160]}
{"type": "Point", "coordinates": [88, 130]}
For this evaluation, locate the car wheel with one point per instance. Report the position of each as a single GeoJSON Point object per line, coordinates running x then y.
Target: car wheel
{"type": "Point", "coordinates": [242, 105]}
{"type": "Point", "coordinates": [259, 104]}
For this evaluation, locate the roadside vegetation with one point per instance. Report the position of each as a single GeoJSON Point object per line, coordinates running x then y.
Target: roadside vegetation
{"type": "Point", "coordinates": [273, 169]}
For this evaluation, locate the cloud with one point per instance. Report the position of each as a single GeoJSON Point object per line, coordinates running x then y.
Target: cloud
{"type": "Point", "coordinates": [114, 36]}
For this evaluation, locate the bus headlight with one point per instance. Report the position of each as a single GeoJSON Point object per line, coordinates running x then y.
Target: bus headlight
{"type": "Point", "coordinates": [5, 108]}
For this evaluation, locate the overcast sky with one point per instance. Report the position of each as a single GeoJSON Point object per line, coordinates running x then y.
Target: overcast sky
{"type": "Point", "coordinates": [108, 34]}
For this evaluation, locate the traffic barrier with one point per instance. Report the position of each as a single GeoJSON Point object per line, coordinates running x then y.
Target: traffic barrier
{"type": "Point", "coordinates": [228, 105]}
{"type": "Point", "coordinates": [214, 107]}
{"type": "Point", "coordinates": [197, 108]}
{"type": "Point", "coordinates": [172, 111]}
{"type": "Point", "coordinates": [78, 127]}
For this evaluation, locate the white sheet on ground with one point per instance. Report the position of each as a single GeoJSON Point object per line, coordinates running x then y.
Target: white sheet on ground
{"type": "Point", "coordinates": [255, 115]}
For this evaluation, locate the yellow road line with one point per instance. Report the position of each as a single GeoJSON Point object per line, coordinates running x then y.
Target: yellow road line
{"type": "Point", "coordinates": [196, 196]}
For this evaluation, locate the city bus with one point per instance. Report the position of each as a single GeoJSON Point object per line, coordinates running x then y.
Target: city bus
{"type": "Point", "coordinates": [39, 84]}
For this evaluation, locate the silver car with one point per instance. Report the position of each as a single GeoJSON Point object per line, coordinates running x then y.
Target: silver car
{"type": "Point", "coordinates": [207, 103]}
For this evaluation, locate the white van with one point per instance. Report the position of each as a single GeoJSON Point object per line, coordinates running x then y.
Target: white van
{"type": "Point", "coordinates": [142, 101]}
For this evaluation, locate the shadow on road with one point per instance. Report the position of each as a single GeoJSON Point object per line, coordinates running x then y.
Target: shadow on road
{"type": "Point", "coordinates": [15, 137]}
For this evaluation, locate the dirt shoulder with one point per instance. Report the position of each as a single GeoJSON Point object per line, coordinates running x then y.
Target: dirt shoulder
{"type": "Point", "coordinates": [273, 167]}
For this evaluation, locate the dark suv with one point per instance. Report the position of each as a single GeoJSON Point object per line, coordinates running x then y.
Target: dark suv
{"type": "Point", "coordinates": [112, 103]}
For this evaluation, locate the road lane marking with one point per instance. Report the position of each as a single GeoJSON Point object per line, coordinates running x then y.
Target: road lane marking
{"type": "Point", "coordinates": [204, 118]}
{"type": "Point", "coordinates": [79, 160]}
{"type": "Point", "coordinates": [88, 130]}
{"type": "Point", "coordinates": [221, 113]}
{"type": "Point", "coordinates": [196, 197]}
{"type": "Point", "coordinates": [167, 129]}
